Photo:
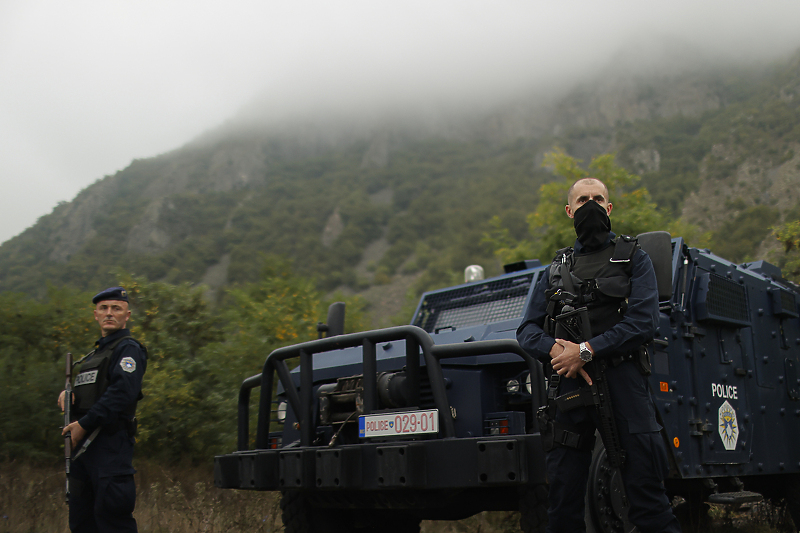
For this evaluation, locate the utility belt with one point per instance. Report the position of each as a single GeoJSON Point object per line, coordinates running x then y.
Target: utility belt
{"type": "Point", "coordinates": [640, 357]}
{"type": "Point", "coordinates": [131, 425]}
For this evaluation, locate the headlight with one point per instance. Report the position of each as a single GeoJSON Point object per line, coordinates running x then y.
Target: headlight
{"type": "Point", "coordinates": [282, 412]}
{"type": "Point", "coordinates": [528, 383]}
{"type": "Point", "coordinates": [512, 385]}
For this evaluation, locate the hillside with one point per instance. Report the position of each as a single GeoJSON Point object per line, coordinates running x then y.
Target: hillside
{"type": "Point", "coordinates": [359, 208]}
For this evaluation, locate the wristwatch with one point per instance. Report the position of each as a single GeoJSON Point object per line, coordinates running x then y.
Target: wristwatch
{"type": "Point", "coordinates": [586, 353]}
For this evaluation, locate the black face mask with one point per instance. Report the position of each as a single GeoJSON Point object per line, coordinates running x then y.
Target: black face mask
{"type": "Point", "coordinates": [592, 224]}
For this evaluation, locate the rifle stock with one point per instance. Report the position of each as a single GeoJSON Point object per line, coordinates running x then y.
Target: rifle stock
{"type": "Point", "coordinates": [67, 420]}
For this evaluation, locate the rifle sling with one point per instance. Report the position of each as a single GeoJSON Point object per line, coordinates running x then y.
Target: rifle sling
{"type": "Point", "coordinates": [87, 442]}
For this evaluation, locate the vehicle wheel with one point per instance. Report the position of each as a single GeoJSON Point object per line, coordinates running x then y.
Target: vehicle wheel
{"type": "Point", "coordinates": [299, 516]}
{"type": "Point", "coordinates": [393, 522]}
{"type": "Point", "coordinates": [607, 504]}
{"type": "Point", "coordinates": [784, 494]}
{"type": "Point", "coordinates": [693, 515]}
{"type": "Point", "coordinates": [792, 499]}
{"type": "Point", "coordinates": [533, 509]}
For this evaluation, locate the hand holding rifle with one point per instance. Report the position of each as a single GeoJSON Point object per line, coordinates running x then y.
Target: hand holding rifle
{"type": "Point", "coordinates": [566, 360]}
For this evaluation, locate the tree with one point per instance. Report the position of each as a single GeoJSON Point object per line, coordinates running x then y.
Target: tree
{"type": "Point", "coordinates": [550, 228]}
{"type": "Point", "coordinates": [181, 410]}
{"type": "Point", "coordinates": [34, 338]}
{"type": "Point", "coordinates": [788, 235]}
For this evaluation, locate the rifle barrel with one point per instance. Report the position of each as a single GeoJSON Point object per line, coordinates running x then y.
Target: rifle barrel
{"type": "Point", "coordinates": [67, 420]}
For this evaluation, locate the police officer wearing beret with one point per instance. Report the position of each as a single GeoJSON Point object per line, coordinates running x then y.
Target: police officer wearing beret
{"type": "Point", "coordinates": [622, 301]}
{"type": "Point", "coordinates": [107, 386]}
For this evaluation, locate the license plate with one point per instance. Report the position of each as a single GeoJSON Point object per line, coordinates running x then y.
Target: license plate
{"type": "Point", "coordinates": [396, 424]}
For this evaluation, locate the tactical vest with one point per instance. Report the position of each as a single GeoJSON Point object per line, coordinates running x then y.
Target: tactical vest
{"type": "Point", "coordinates": [601, 281]}
{"type": "Point", "coordinates": [92, 379]}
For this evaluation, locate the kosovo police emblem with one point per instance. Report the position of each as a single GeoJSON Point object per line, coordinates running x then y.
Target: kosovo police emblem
{"type": "Point", "coordinates": [128, 364]}
{"type": "Point", "coordinates": [728, 426]}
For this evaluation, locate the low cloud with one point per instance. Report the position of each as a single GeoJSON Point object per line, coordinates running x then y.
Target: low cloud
{"type": "Point", "coordinates": [89, 86]}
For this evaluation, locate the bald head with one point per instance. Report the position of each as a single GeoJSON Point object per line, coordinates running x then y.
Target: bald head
{"type": "Point", "coordinates": [586, 189]}
{"type": "Point", "coordinates": [586, 181]}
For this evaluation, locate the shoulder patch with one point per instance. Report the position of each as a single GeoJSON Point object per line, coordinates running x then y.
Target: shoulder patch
{"type": "Point", "coordinates": [128, 364]}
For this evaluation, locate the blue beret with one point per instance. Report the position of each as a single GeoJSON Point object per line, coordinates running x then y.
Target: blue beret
{"type": "Point", "coordinates": [112, 293]}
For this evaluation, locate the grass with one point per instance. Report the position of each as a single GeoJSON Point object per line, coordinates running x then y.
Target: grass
{"type": "Point", "coordinates": [183, 499]}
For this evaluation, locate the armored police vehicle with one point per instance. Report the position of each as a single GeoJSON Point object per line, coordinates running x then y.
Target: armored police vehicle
{"type": "Point", "coordinates": [437, 420]}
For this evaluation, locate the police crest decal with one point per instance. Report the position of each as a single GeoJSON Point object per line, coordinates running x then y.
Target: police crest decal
{"type": "Point", "coordinates": [128, 364]}
{"type": "Point", "coordinates": [728, 426]}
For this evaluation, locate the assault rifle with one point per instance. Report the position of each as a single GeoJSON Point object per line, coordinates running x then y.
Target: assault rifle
{"type": "Point", "coordinates": [67, 417]}
{"type": "Point", "coordinates": [575, 323]}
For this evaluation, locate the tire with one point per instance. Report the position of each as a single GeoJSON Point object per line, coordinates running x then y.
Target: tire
{"type": "Point", "coordinates": [301, 516]}
{"type": "Point", "coordinates": [693, 515]}
{"type": "Point", "coordinates": [394, 522]}
{"type": "Point", "coordinates": [784, 493]}
{"type": "Point", "coordinates": [533, 509]}
{"type": "Point", "coordinates": [792, 499]}
{"type": "Point", "coordinates": [607, 505]}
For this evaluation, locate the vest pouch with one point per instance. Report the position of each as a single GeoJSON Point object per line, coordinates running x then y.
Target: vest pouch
{"type": "Point", "coordinates": [642, 359]}
{"type": "Point", "coordinates": [614, 286]}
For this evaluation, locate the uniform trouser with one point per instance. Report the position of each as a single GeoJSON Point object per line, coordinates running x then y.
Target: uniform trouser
{"type": "Point", "coordinates": [645, 468]}
{"type": "Point", "coordinates": [102, 489]}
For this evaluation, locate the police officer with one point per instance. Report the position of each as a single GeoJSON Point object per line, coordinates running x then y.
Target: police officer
{"type": "Point", "coordinates": [107, 387]}
{"type": "Point", "coordinates": [623, 313]}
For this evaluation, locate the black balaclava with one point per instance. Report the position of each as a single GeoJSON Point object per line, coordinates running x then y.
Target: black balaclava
{"type": "Point", "coordinates": [592, 224]}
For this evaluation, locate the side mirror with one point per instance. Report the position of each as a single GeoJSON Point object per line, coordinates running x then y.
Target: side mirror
{"type": "Point", "coordinates": [658, 245]}
{"type": "Point", "coordinates": [335, 325]}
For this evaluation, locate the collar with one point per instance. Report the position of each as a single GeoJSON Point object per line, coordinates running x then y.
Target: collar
{"type": "Point", "coordinates": [581, 249]}
{"type": "Point", "coordinates": [105, 341]}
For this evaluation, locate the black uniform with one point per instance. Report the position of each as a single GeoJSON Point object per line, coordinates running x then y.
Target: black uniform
{"type": "Point", "coordinates": [107, 387]}
{"type": "Point", "coordinates": [646, 465]}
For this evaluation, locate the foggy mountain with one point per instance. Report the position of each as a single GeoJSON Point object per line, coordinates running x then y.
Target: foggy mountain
{"type": "Point", "coordinates": [368, 196]}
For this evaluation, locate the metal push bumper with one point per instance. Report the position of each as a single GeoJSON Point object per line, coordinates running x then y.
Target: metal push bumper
{"type": "Point", "coordinates": [433, 464]}
{"type": "Point", "coordinates": [443, 462]}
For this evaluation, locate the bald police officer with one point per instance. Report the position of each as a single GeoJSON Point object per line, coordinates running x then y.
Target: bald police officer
{"type": "Point", "coordinates": [107, 387]}
{"type": "Point", "coordinates": [617, 284]}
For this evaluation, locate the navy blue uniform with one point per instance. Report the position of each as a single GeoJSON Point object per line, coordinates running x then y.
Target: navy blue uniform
{"type": "Point", "coordinates": [647, 464]}
{"type": "Point", "coordinates": [102, 489]}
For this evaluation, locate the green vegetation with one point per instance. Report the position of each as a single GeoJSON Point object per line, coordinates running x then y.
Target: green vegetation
{"type": "Point", "coordinates": [436, 200]}
{"type": "Point", "coordinates": [197, 358]}
{"type": "Point", "coordinates": [551, 229]}
{"type": "Point", "coordinates": [173, 217]}
{"type": "Point", "coordinates": [789, 236]}
{"type": "Point", "coordinates": [739, 236]}
{"type": "Point", "coordinates": [437, 205]}
{"type": "Point", "coordinates": [182, 499]}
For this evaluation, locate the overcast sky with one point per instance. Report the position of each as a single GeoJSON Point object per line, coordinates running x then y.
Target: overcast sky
{"type": "Point", "coordinates": [87, 86]}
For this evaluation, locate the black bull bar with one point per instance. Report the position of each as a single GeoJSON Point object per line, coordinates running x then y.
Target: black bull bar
{"type": "Point", "coordinates": [404, 464]}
